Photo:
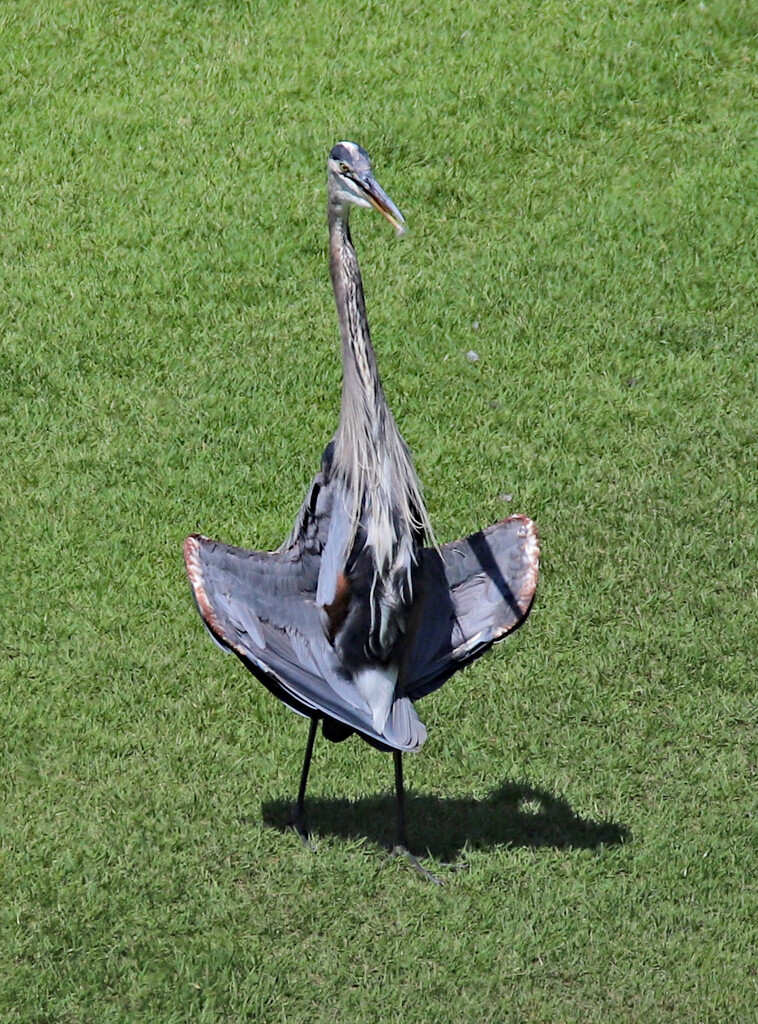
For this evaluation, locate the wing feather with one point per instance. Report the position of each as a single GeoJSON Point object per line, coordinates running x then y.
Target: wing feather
{"type": "Point", "coordinates": [471, 593]}
{"type": "Point", "coordinates": [264, 607]}
{"type": "Point", "coordinates": [261, 605]}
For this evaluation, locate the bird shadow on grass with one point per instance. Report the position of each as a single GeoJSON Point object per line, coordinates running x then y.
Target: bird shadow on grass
{"type": "Point", "coordinates": [515, 815]}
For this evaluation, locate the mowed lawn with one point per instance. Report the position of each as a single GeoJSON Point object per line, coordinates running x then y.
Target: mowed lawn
{"type": "Point", "coordinates": [580, 181]}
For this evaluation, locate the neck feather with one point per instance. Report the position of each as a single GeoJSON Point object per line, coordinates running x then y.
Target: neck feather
{"type": "Point", "coordinates": [369, 452]}
{"type": "Point", "coordinates": [360, 373]}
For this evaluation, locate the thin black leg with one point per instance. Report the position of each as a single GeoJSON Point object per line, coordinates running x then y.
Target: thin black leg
{"type": "Point", "coordinates": [402, 837]}
{"type": "Point", "coordinates": [297, 821]}
{"type": "Point", "coordinates": [401, 849]}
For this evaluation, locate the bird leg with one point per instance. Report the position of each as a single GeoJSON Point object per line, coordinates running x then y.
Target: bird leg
{"type": "Point", "coordinates": [297, 821]}
{"type": "Point", "coordinates": [401, 847]}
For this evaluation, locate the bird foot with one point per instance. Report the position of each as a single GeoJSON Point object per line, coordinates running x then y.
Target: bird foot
{"type": "Point", "coordinates": [460, 866]}
{"type": "Point", "coordinates": [298, 826]}
{"type": "Point", "coordinates": [415, 863]}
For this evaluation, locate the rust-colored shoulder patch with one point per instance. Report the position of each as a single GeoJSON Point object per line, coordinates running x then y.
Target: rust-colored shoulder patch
{"type": "Point", "coordinates": [336, 612]}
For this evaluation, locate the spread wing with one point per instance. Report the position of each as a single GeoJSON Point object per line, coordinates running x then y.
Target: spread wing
{"type": "Point", "coordinates": [265, 607]}
{"type": "Point", "coordinates": [470, 594]}
{"type": "Point", "coordinates": [272, 610]}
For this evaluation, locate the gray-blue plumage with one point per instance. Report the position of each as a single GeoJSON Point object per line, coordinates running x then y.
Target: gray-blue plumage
{"type": "Point", "coordinates": [354, 619]}
{"type": "Point", "coordinates": [262, 605]}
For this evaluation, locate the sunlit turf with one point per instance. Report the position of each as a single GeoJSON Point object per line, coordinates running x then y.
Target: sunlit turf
{"type": "Point", "coordinates": [581, 185]}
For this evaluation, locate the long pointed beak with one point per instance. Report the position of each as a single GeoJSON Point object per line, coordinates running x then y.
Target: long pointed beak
{"type": "Point", "coordinates": [382, 202]}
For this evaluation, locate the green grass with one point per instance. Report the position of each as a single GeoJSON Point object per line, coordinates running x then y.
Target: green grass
{"type": "Point", "coordinates": [581, 185]}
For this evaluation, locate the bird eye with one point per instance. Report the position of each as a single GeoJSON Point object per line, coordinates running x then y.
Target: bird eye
{"type": "Point", "coordinates": [344, 168]}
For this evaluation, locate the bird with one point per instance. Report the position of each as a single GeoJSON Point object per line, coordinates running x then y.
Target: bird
{"type": "Point", "coordinates": [360, 612]}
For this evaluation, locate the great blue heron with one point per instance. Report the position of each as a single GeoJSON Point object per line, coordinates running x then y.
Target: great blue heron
{"type": "Point", "coordinates": [352, 619]}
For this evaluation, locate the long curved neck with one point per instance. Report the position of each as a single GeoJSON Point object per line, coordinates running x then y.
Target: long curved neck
{"type": "Point", "coordinates": [360, 376]}
{"type": "Point", "coordinates": [369, 453]}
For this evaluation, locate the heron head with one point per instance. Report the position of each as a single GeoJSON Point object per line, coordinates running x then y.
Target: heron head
{"type": "Point", "coordinates": [351, 183]}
